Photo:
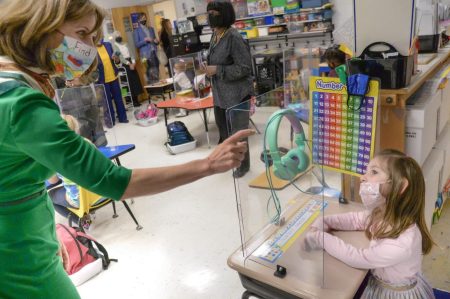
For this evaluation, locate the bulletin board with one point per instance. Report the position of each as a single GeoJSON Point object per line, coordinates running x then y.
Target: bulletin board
{"type": "Point", "coordinates": [342, 128]}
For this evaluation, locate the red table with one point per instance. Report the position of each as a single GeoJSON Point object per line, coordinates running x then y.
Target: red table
{"type": "Point", "coordinates": [190, 104]}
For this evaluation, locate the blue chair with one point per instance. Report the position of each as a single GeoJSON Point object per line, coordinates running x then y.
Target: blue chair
{"type": "Point", "coordinates": [441, 294]}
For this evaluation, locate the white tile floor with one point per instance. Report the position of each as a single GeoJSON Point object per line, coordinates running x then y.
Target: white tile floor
{"type": "Point", "coordinates": [188, 232]}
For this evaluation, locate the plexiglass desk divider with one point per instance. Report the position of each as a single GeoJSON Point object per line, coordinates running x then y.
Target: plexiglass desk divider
{"type": "Point", "coordinates": [189, 78]}
{"type": "Point", "coordinates": [265, 239]}
{"type": "Point", "coordinates": [88, 104]}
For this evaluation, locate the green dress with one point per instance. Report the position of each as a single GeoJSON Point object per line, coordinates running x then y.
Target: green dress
{"type": "Point", "coordinates": [35, 142]}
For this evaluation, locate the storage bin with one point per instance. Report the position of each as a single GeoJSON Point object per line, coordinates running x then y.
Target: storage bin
{"type": "Point", "coordinates": [327, 14]}
{"type": "Point", "coordinates": [251, 33]}
{"type": "Point", "coordinates": [432, 170]}
{"type": "Point", "coordinates": [178, 149]}
{"type": "Point", "coordinates": [263, 31]}
{"type": "Point", "coordinates": [421, 123]}
{"type": "Point", "coordinates": [259, 21]}
{"type": "Point", "coordinates": [313, 3]}
{"type": "Point", "coordinates": [268, 20]}
{"type": "Point", "coordinates": [394, 72]}
{"type": "Point", "coordinates": [429, 43]}
{"type": "Point", "coordinates": [147, 121]}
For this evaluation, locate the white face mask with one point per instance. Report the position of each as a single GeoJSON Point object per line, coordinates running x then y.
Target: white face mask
{"type": "Point", "coordinates": [73, 57]}
{"type": "Point", "coordinates": [370, 194]}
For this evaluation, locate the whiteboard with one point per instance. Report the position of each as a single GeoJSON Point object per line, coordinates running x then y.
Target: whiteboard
{"type": "Point", "coordinates": [384, 20]}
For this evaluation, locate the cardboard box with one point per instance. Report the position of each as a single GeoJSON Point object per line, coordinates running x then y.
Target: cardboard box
{"type": "Point", "coordinates": [421, 124]}
{"type": "Point", "coordinates": [443, 144]}
{"type": "Point", "coordinates": [432, 171]}
{"type": "Point", "coordinates": [444, 111]}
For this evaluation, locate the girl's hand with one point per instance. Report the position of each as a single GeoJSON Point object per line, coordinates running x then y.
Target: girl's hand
{"type": "Point", "coordinates": [313, 240]}
{"type": "Point", "coordinates": [230, 153]}
{"type": "Point", "coordinates": [320, 225]}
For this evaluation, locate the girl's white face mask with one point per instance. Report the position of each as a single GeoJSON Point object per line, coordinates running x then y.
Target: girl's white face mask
{"type": "Point", "coordinates": [370, 194]}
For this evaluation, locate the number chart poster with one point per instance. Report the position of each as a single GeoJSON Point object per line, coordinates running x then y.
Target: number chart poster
{"type": "Point", "coordinates": [343, 131]}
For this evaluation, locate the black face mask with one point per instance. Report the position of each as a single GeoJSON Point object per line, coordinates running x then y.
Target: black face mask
{"type": "Point", "coordinates": [119, 39]}
{"type": "Point", "coordinates": [144, 22]}
{"type": "Point", "coordinates": [215, 20]}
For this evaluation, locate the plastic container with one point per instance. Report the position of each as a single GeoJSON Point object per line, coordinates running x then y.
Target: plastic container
{"type": "Point", "coordinates": [313, 3]}
{"type": "Point", "coordinates": [263, 31]}
{"type": "Point", "coordinates": [259, 21]}
{"type": "Point", "coordinates": [268, 20]}
{"type": "Point", "coordinates": [295, 27]}
{"type": "Point", "coordinates": [181, 148]}
{"type": "Point", "coordinates": [252, 33]}
{"type": "Point", "coordinates": [303, 16]}
{"type": "Point", "coordinates": [429, 43]}
{"type": "Point", "coordinates": [147, 121]}
{"type": "Point", "coordinates": [327, 14]}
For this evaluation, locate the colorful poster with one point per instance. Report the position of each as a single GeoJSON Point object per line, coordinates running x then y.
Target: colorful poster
{"type": "Point", "coordinates": [258, 7]}
{"type": "Point", "coordinates": [240, 8]}
{"type": "Point", "coordinates": [135, 19]}
{"type": "Point", "coordinates": [342, 128]}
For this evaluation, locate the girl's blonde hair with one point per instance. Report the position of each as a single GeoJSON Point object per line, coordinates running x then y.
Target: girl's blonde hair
{"type": "Point", "coordinates": [72, 122]}
{"type": "Point", "coordinates": [403, 207]}
{"type": "Point", "coordinates": [26, 26]}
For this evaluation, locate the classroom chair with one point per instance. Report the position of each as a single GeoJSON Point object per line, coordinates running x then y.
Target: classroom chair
{"type": "Point", "coordinates": [89, 202]}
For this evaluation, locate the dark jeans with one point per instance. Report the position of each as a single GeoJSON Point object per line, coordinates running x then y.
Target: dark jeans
{"type": "Point", "coordinates": [113, 92]}
{"type": "Point", "coordinates": [230, 121]}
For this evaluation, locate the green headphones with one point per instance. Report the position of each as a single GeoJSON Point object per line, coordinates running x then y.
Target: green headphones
{"type": "Point", "coordinates": [296, 160]}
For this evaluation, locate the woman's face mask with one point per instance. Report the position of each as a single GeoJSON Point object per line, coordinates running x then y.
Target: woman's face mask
{"type": "Point", "coordinates": [72, 57]}
{"type": "Point", "coordinates": [215, 20]}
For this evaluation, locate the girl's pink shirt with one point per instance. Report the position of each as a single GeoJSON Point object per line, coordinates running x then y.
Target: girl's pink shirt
{"type": "Point", "coordinates": [395, 261]}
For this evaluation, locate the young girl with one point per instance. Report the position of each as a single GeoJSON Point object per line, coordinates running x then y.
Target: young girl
{"type": "Point", "coordinates": [393, 192]}
{"type": "Point", "coordinates": [70, 196]}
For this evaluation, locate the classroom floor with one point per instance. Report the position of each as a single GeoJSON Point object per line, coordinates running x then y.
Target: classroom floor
{"type": "Point", "coordinates": [188, 233]}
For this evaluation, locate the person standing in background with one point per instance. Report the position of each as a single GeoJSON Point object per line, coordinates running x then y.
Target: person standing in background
{"type": "Point", "coordinates": [129, 63]}
{"type": "Point", "coordinates": [165, 36]}
{"type": "Point", "coordinates": [146, 41]}
{"type": "Point", "coordinates": [107, 75]}
{"type": "Point", "coordinates": [230, 68]}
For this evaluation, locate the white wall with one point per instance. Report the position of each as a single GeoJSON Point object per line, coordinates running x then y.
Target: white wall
{"type": "Point", "coordinates": [168, 7]}
{"type": "Point", "coordinates": [122, 3]}
{"type": "Point", "coordinates": [187, 8]}
{"type": "Point", "coordinates": [343, 22]}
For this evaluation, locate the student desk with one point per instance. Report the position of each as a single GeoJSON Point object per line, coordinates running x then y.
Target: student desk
{"type": "Point", "coordinates": [340, 280]}
{"type": "Point", "coordinates": [160, 89]}
{"type": "Point", "coordinates": [190, 104]}
{"type": "Point", "coordinates": [114, 152]}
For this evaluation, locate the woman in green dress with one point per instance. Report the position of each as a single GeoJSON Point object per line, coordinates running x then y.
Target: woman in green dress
{"type": "Point", "coordinates": [39, 39]}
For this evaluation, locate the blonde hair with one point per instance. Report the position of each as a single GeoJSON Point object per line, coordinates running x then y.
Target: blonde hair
{"type": "Point", "coordinates": [72, 122]}
{"type": "Point", "coordinates": [26, 25]}
{"type": "Point", "coordinates": [404, 206]}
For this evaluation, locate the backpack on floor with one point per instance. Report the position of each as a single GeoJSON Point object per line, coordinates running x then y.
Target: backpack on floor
{"type": "Point", "coordinates": [178, 134]}
{"type": "Point", "coordinates": [82, 249]}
